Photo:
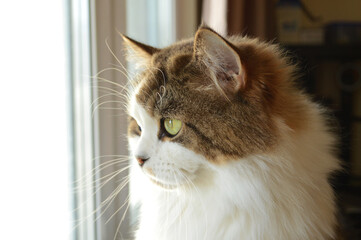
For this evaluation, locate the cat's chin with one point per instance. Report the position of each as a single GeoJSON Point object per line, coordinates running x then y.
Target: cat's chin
{"type": "Point", "coordinates": [163, 184]}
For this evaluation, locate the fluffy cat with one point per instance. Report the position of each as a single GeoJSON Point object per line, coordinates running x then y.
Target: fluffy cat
{"type": "Point", "coordinates": [225, 146]}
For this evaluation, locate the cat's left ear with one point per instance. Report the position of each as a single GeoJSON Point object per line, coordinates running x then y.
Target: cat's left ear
{"type": "Point", "coordinates": [137, 52]}
{"type": "Point", "coordinates": [222, 60]}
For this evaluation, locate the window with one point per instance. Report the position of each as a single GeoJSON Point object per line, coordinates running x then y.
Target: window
{"type": "Point", "coordinates": [35, 152]}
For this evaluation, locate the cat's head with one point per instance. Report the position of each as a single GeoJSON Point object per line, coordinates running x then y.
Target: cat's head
{"type": "Point", "coordinates": [205, 102]}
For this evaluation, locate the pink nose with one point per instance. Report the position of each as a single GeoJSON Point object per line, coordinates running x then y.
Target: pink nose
{"type": "Point", "coordinates": [141, 160]}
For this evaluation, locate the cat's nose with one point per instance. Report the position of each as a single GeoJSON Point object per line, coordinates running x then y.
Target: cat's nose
{"type": "Point", "coordinates": [141, 160]}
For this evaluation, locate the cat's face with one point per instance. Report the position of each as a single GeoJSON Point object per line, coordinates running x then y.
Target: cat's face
{"type": "Point", "coordinates": [199, 104]}
{"type": "Point", "coordinates": [161, 157]}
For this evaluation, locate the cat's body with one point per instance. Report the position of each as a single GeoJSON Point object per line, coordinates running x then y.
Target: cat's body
{"type": "Point", "coordinates": [252, 157]}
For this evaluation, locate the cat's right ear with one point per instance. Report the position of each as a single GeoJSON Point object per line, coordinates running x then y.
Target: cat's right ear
{"type": "Point", "coordinates": [136, 52]}
{"type": "Point", "coordinates": [221, 59]}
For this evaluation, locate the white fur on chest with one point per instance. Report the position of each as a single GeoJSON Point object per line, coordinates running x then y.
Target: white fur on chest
{"type": "Point", "coordinates": [252, 201]}
{"type": "Point", "coordinates": [281, 195]}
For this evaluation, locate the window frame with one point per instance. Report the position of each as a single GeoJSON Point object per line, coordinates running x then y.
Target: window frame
{"type": "Point", "coordinates": [81, 67]}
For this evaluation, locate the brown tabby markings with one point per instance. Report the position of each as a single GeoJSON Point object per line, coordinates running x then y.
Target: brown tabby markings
{"type": "Point", "coordinates": [218, 128]}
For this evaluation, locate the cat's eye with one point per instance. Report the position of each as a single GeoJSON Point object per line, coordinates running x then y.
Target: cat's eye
{"type": "Point", "coordinates": [172, 126]}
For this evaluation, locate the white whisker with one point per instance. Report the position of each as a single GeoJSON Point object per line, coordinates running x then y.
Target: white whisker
{"type": "Point", "coordinates": [122, 219]}
{"type": "Point", "coordinates": [116, 58]}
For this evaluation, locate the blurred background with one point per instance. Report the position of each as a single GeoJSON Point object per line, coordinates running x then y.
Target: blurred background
{"type": "Point", "coordinates": [62, 127]}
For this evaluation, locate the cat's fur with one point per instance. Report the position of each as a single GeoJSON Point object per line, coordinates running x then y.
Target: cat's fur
{"type": "Point", "coordinates": [254, 154]}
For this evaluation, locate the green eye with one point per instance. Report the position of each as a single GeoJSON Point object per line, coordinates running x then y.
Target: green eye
{"type": "Point", "coordinates": [172, 126]}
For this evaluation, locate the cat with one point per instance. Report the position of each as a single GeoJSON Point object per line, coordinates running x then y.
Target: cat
{"type": "Point", "coordinates": [224, 145]}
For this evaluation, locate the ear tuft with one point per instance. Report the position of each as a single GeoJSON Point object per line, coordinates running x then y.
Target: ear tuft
{"type": "Point", "coordinates": [138, 52]}
{"type": "Point", "coordinates": [222, 60]}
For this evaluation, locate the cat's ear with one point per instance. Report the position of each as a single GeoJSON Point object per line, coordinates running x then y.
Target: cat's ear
{"type": "Point", "coordinates": [222, 60]}
{"type": "Point", "coordinates": [137, 52]}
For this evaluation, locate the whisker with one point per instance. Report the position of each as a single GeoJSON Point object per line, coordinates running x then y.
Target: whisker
{"type": "Point", "coordinates": [115, 173]}
{"type": "Point", "coordinates": [127, 75]}
{"type": "Point", "coordinates": [114, 193]}
{"type": "Point", "coordinates": [110, 199]}
{"type": "Point", "coordinates": [130, 75]}
{"type": "Point", "coordinates": [103, 103]}
{"type": "Point", "coordinates": [160, 70]}
{"type": "Point", "coordinates": [81, 220]}
{"type": "Point", "coordinates": [98, 168]}
{"type": "Point", "coordinates": [108, 178]}
{"type": "Point", "coordinates": [108, 95]}
{"type": "Point", "coordinates": [124, 101]}
{"type": "Point", "coordinates": [116, 58]}
{"type": "Point", "coordinates": [110, 82]}
{"type": "Point", "coordinates": [93, 173]}
{"type": "Point", "coordinates": [121, 220]}
{"type": "Point", "coordinates": [126, 201]}
{"type": "Point", "coordinates": [125, 95]}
